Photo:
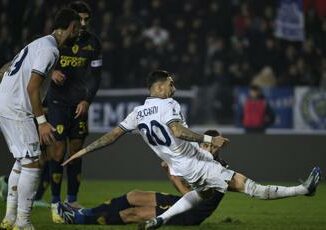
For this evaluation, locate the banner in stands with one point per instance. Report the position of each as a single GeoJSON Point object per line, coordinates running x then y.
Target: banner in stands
{"type": "Point", "coordinates": [290, 20]}
{"type": "Point", "coordinates": [280, 100]}
{"type": "Point", "coordinates": [310, 108]}
{"type": "Point", "coordinates": [110, 107]}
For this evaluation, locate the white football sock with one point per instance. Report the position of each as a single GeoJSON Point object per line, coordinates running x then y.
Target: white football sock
{"type": "Point", "coordinates": [12, 198]}
{"type": "Point", "coordinates": [188, 201]}
{"type": "Point", "coordinates": [27, 187]}
{"type": "Point", "coordinates": [270, 192]}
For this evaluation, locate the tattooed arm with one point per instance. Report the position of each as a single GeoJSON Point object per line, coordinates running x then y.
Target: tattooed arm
{"type": "Point", "coordinates": [103, 141]}
{"type": "Point", "coordinates": [184, 133]}
{"type": "Point", "coordinates": [187, 134]}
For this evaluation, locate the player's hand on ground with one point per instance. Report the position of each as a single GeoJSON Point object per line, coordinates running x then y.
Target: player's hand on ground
{"type": "Point", "coordinates": [82, 109]}
{"type": "Point", "coordinates": [220, 141]}
{"type": "Point", "coordinates": [58, 77]}
{"type": "Point", "coordinates": [46, 133]}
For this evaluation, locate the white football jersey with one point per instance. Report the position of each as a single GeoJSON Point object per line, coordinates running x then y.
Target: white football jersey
{"type": "Point", "coordinates": [152, 120]}
{"type": "Point", "coordinates": [39, 57]}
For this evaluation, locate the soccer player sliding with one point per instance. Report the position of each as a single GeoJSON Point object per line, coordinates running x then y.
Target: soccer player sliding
{"type": "Point", "coordinates": [163, 128]}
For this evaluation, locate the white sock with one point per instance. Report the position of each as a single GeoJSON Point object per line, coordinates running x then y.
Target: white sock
{"type": "Point", "coordinates": [12, 198]}
{"type": "Point", "coordinates": [27, 187]}
{"type": "Point", "coordinates": [270, 192]}
{"type": "Point", "coordinates": [188, 201]}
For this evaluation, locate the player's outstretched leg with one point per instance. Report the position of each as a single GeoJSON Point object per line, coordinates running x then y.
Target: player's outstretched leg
{"type": "Point", "coordinates": [312, 181]}
{"type": "Point", "coordinates": [240, 183]}
{"type": "Point", "coordinates": [188, 201]}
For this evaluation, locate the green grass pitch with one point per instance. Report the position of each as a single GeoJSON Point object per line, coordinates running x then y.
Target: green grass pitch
{"type": "Point", "coordinates": [236, 211]}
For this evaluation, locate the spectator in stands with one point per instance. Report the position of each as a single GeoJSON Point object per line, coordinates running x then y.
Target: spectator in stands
{"type": "Point", "coordinates": [238, 34]}
{"type": "Point", "coordinates": [257, 114]}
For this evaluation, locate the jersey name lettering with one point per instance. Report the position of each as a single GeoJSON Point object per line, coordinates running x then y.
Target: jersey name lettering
{"type": "Point", "coordinates": [147, 112]}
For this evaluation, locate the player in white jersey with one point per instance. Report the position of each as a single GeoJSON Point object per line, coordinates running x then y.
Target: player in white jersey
{"type": "Point", "coordinates": [21, 91]}
{"type": "Point", "coordinates": [163, 128]}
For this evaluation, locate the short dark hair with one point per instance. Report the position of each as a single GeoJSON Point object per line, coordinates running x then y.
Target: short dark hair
{"type": "Point", "coordinates": [80, 7]}
{"type": "Point", "coordinates": [212, 132]}
{"type": "Point", "coordinates": [64, 17]}
{"type": "Point", "coordinates": [156, 76]}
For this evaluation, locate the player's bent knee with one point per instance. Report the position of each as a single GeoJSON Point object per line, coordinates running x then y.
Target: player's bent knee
{"type": "Point", "coordinates": [237, 183]}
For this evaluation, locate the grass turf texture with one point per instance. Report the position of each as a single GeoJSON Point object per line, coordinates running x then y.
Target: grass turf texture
{"type": "Point", "coordinates": [236, 211]}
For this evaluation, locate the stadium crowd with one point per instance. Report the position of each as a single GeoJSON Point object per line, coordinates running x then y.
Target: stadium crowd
{"type": "Point", "coordinates": [204, 42]}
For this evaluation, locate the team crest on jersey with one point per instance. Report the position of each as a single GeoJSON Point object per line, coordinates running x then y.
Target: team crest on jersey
{"type": "Point", "coordinates": [60, 129]}
{"type": "Point", "coordinates": [75, 48]}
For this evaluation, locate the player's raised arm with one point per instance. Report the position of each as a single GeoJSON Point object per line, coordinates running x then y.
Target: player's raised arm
{"type": "Point", "coordinates": [103, 141]}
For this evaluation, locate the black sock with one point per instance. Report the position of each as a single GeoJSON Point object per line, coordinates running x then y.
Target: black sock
{"type": "Point", "coordinates": [56, 171]}
{"type": "Point", "coordinates": [165, 199]}
{"type": "Point", "coordinates": [44, 182]}
{"type": "Point", "coordinates": [73, 175]}
{"type": "Point", "coordinates": [102, 214]}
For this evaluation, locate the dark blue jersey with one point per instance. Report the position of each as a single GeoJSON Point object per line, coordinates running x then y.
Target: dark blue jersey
{"type": "Point", "coordinates": [81, 64]}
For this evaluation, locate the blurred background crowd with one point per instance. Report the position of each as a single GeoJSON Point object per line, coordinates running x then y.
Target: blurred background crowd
{"type": "Point", "coordinates": [223, 43]}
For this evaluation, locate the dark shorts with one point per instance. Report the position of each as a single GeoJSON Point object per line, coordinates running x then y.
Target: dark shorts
{"type": "Point", "coordinates": [194, 216]}
{"type": "Point", "coordinates": [62, 118]}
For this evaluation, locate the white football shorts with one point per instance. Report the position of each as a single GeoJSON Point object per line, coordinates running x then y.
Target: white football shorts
{"type": "Point", "coordinates": [212, 176]}
{"type": "Point", "coordinates": [21, 137]}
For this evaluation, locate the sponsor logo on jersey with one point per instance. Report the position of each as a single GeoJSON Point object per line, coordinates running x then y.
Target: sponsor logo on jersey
{"type": "Point", "coordinates": [60, 129]}
{"type": "Point", "coordinates": [75, 48]}
{"type": "Point", "coordinates": [66, 61]}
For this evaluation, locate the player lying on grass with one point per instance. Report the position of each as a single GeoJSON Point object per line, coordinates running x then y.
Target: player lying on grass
{"type": "Point", "coordinates": [163, 128]}
{"type": "Point", "coordinates": [137, 206]}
